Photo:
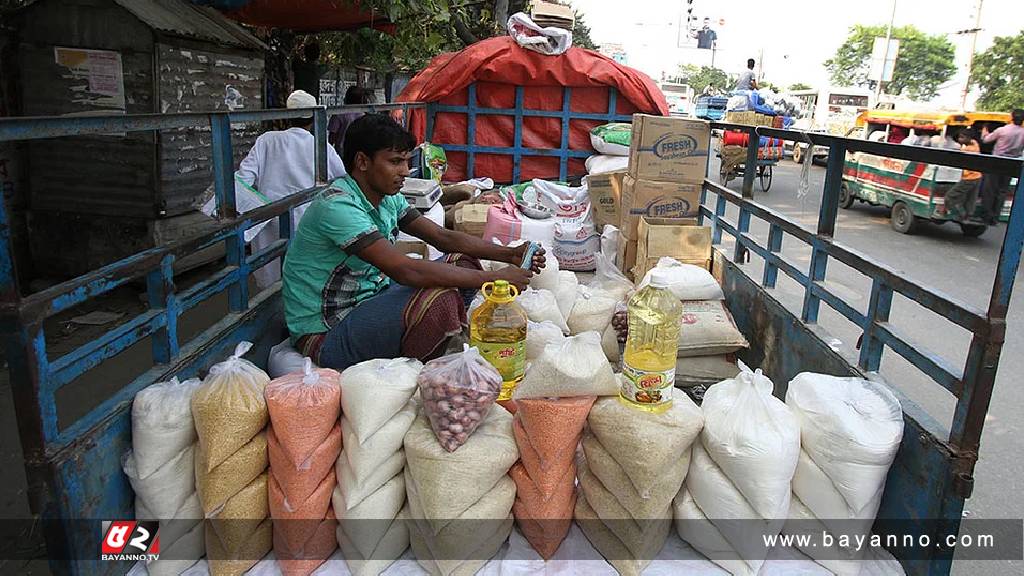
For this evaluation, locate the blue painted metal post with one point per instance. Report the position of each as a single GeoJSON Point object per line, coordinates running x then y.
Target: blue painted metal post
{"type": "Point", "coordinates": [871, 347]}
{"type": "Point", "coordinates": [320, 137]}
{"type": "Point", "coordinates": [471, 132]}
{"type": "Point", "coordinates": [980, 374]}
{"type": "Point", "coordinates": [742, 227]}
{"type": "Point", "coordinates": [238, 293]}
{"type": "Point", "coordinates": [613, 104]}
{"type": "Point", "coordinates": [771, 271]}
{"type": "Point", "coordinates": [431, 112]}
{"type": "Point", "coordinates": [517, 137]}
{"type": "Point", "coordinates": [160, 291]}
{"type": "Point", "coordinates": [223, 164]}
{"type": "Point", "coordinates": [750, 168]}
{"type": "Point", "coordinates": [716, 227]}
{"type": "Point", "coordinates": [827, 214]}
{"type": "Point", "coordinates": [563, 158]}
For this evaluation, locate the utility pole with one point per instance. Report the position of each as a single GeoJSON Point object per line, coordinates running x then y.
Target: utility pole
{"type": "Point", "coordinates": [888, 38]}
{"type": "Point", "coordinates": [970, 57]}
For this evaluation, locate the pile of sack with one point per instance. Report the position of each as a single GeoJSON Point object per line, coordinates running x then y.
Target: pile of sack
{"type": "Point", "coordinates": [231, 462]}
{"type": "Point", "coordinates": [552, 404]}
{"type": "Point", "coordinates": [738, 487]}
{"type": "Point", "coordinates": [160, 467]}
{"type": "Point", "coordinates": [632, 466]}
{"type": "Point", "coordinates": [708, 338]}
{"type": "Point", "coordinates": [612, 143]}
{"type": "Point", "coordinates": [378, 408]}
{"type": "Point", "coordinates": [303, 443]}
{"type": "Point", "coordinates": [850, 430]}
{"type": "Point", "coordinates": [458, 455]}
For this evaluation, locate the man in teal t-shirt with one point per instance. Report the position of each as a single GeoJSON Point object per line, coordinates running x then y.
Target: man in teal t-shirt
{"type": "Point", "coordinates": [349, 294]}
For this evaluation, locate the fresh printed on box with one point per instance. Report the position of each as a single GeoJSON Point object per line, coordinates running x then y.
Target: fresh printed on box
{"type": "Point", "coordinates": [656, 199]}
{"type": "Point", "coordinates": [666, 148]}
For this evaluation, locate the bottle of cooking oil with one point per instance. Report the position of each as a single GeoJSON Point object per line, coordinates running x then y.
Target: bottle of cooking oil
{"type": "Point", "coordinates": [649, 361]}
{"type": "Point", "coordinates": [498, 330]}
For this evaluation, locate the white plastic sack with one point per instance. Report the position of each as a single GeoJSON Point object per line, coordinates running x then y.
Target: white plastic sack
{"type": "Point", "coordinates": [602, 163]}
{"type": "Point", "coordinates": [373, 392]}
{"type": "Point", "coordinates": [367, 523]}
{"type": "Point", "coordinates": [575, 367]}
{"type": "Point", "coordinates": [839, 560]}
{"type": "Point", "coordinates": [612, 139]}
{"type": "Point", "coordinates": [548, 277]}
{"type": "Point", "coordinates": [707, 328]}
{"type": "Point", "coordinates": [570, 204]}
{"type": "Point", "coordinates": [608, 278]}
{"type": "Point", "coordinates": [688, 282]}
{"type": "Point", "coordinates": [540, 230]}
{"type": "Point", "coordinates": [565, 295]}
{"type": "Point", "coordinates": [284, 359]}
{"type": "Point", "coordinates": [754, 438]}
{"type": "Point", "coordinates": [611, 239]}
{"type": "Point", "coordinates": [539, 335]}
{"type": "Point", "coordinates": [449, 483]}
{"type": "Point", "coordinates": [162, 423]}
{"type": "Point", "coordinates": [851, 429]}
{"type": "Point", "coordinates": [366, 456]}
{"type": "Point", "coordinates": [166, 489]}
{"type": "Point", "coordinates": [541, 306]}
{"type": "Point", "coordinates": [549, 41]}
{"type": "Point", "coordinates": [694, 528]}
{"type": "Point", "coordinates": [577, 244]}
{"type": "Point", "coordinates": [593, 310]}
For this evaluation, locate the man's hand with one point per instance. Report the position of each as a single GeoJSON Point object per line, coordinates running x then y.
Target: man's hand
{"type": "Point", "coordinates": [984, 130]}
{"type": "Point", "coordinates": [516, 276]}
{"type": "Point", "coordinates": [620, 322]}
{"type": "Point", "coordinates": [519, 252]}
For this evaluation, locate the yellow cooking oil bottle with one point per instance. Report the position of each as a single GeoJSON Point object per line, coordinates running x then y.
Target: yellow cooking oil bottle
{"type": "Point", "coordinates": [649, 361]}
{"type": "Point", "coordinates": [498, 330]}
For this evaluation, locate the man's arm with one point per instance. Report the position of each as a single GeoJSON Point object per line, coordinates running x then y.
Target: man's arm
{"type": "Point", "coordinates": [990, 137]}
{"type": "Point", "coordinates": [428, 274]}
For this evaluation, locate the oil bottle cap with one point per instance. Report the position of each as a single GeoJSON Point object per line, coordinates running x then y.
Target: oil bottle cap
{"type": "Point", "coordinates": [499, 291]}
{"type": "Point", "coordinates": [660, 278]}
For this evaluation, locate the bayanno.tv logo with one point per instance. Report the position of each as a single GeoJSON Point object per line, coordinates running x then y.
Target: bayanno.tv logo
{"type": "Point", "coordinates": [130, 540]}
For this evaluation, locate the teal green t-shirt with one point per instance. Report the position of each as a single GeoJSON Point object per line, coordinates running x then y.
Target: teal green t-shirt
{"type": "Point", "coordinates": [323, 277]}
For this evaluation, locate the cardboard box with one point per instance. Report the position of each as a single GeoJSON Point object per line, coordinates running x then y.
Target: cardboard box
{"type": "Point", "coordinates": [606, 198]}
{"type": "Point", "coordinates": [627, 257]}
{"type": "Point", "coordinates": [656, 199]}
{"type": "Point", "coordinates": [414, 247]}
{"type": "Point", "coordinates": [765, 120]}
{"type": "Point", "coordinates": [666, 148]}
{"type": "Point", "coordinates": [746, 118]}
{"type": "Point", "coordinates": [683, 240]}
{"type": "Point", "coordinates": [471, 219]}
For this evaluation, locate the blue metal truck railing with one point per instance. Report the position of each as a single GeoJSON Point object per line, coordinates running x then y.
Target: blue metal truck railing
{"type": "Point", "coordinates": [970, 384]}
{"type": "Point", "coordinates": [73, 468]}
{"type": "Point", "coordinates": [517, 151]}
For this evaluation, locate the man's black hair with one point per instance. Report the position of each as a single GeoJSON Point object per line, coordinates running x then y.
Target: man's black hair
{"type": "Point", "coordinates": [969, 133]}
{"type": "Point", "coordinates": [1017, 116]}
{"type": "Point", "coordinates": [311, 51]}
{"type": "Point", "coordinates": [372, 133]}
{"type": "Point", "coordinates": [357, 95]}
{"type": "Point", "coordinates": [750, 63]}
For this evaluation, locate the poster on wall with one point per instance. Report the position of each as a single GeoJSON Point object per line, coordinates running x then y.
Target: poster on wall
{"type": "Point", "coordinates": [96, 76]}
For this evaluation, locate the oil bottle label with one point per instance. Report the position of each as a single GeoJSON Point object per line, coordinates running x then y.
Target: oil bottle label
{"type": "Point", "coordinates": [509, 358]}
{"type": "Point", "coordinates": [646, 387]}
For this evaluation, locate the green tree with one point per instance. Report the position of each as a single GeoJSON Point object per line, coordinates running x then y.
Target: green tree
{"type": "Point", "coordinates": [999, 72]}
{"type": "Point", "coordinates": [799, 86]}
{"type": "Point", "coordinates": [699, 77]}
{"type": "Point", "coordinates": [924, 62]}
{"type": "Point", "coordinates": [581, 34]}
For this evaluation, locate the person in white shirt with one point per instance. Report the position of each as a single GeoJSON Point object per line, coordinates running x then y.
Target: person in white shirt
{"type": "Point", "coordinates": [280, 163]}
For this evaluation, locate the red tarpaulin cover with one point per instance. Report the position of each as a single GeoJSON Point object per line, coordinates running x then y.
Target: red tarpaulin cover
{"type": "Point", "coordinates": [309, 15]}
{"type": "Point", "coordinates": [498, 65]}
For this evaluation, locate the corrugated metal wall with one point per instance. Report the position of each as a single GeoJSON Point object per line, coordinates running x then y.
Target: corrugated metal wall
{"type": "Point", "coordinates": [200, 80]}
{"type": "Point", "coordinates": [100, 175]}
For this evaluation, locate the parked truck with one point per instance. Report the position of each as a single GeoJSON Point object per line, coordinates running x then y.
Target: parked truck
{"type": "Point", "coordinates": [73, 454]}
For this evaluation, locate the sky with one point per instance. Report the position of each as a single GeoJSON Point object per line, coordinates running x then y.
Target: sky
{"type": "Point", "coordinates": [794, 37]}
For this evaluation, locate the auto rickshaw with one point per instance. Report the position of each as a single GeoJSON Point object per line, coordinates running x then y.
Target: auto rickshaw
{"type": "Point", "coordinates": [914, 191]}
